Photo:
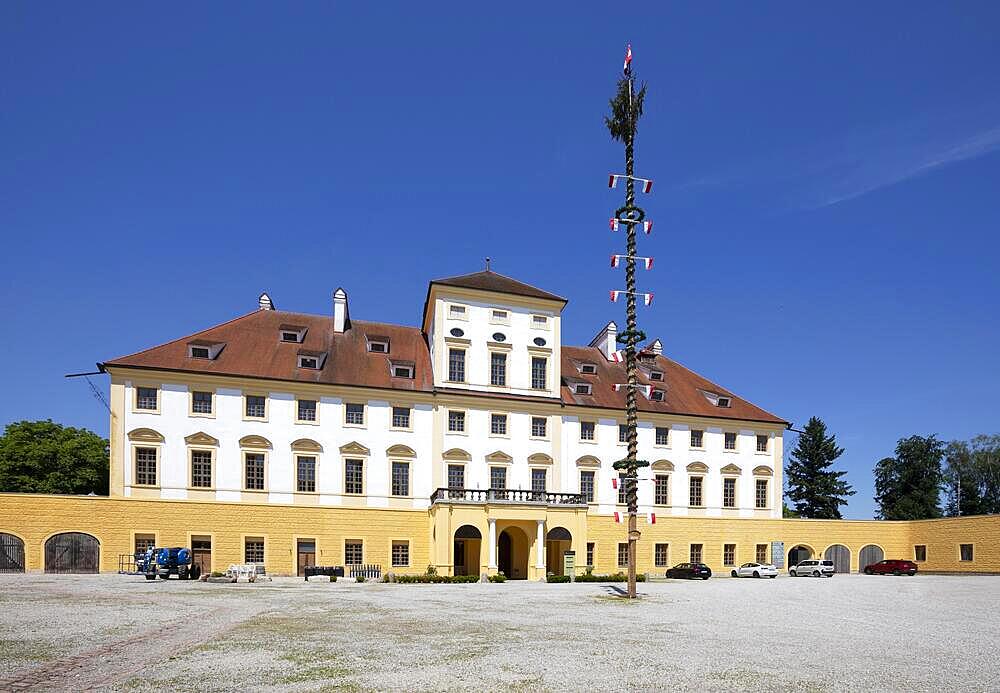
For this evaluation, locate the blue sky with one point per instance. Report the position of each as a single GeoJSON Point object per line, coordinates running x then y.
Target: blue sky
{"type": "Point", "coordinates": [826, 198]}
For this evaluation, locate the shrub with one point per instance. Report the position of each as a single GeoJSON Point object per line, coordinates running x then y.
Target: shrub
{"type": "Point", "coordinates": [431, 570]}
{"type": "Point", "coordinates": [499, 577]}
{"type": "Point", "coordinates": [333, 578]}
{"type": "Point", "coordinates": [557, 578]}
{"type": "Point", "coordinates": [216, 573]}
{"type": "Point", "coordinates": [615, 577]}
{"type": "Point", "coordinates": [435, 579]}
{"type": "Point", "coordinates": [360, 578]}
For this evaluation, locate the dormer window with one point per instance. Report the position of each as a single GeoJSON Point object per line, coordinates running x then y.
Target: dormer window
{"type": "Point", "coordinates": [401, 370]}
{"type": "Point", "coordinates": [199, 352]}
{"type": "Point", "coordinates": [289, 336]}
{"type": "Point", "coordinates": [313, 361]}
{"type": "Point", "coordinates": [378, 345]}
{"type": "Point", "coordinates": [723, 402]}
{"type": "Point", "coordinates": [656, 376]}
{"type": "Point", "coordinates": [456, 312]}
{"type": "Point", "coordinates": [656, 396]}
{"type": "Point", "coordinates": [646, 357]}
{"type": "Point", "coordinates": [295, 334]}
{"type": "Point", "coordinates": [588, 369]}
{"type": "Point", "coordinates": [582, 389]}
{"type": "Point", "coordinates": [718, 400]}
{"type": "Point", "coordinates": [204, 350]}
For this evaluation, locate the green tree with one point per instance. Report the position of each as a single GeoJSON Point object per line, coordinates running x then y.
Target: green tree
{"type": "Point", "coordinates": [46, 457]}
{"type": "Point", "coordinates": [972, 476]}
{"type": "Point", "coordinates": [908, 486]}
{"type": "Point", "coordinates": [816, 490]}
{"type": "Point", "coordinates": [787, 512]}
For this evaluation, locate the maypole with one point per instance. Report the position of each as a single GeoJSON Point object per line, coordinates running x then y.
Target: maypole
{"type": "Point", "coordinates": [626, 108]}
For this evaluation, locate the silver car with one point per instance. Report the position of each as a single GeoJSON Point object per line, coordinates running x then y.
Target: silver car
{"type": "Point", "coordinates": [757, 570]}
{"type": "Point", "coordinates": [814, 567]}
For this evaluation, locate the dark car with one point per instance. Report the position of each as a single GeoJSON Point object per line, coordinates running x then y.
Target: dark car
{"type": "Point", "coordinates": [891, 566]}
{"type": "Point", "coordinates": [690, 571]}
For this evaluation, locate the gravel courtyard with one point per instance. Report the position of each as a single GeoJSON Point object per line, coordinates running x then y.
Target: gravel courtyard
{"type": "Point", "coordinates": [847, 633]}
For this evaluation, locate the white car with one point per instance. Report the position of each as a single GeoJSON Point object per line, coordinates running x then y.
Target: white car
{"type": "Point", "coordinates": [814, 567]}
{"type": "Point", "coordinates": [757, 570]}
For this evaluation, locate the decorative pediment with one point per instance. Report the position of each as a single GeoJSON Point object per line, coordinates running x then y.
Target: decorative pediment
{"type": "Point", "coordinates": [499, 457]}
{"type": "Point", "coordinates": [400, 451]}
{"type": "Point", "coordinates": [457, 455]}
{"type": "Point", "coordinates": [354, 448]}
{"type": "Point", "coordinates": [200, 438]}
{"type": "Point", "coordinates": [588, 461]}
{"type": "Point", "coordinates": [763, 471]}
{"type": "Point", "coordinates": [306, 445]}
{"type": "Point", "coordinates": [539, 458]}
{"type": "Point", "coordinates": [255, 442]}
{"type": "Point", "coordinates": [731, 469]}
{"type": "Point", "coordinates": [662, 466]}
{"type": "Point", "coordinates": [145, 435]}
{"type": "Point", "coordinates": [697, 467]}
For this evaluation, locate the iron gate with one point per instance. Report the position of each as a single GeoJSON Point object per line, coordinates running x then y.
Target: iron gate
{"type": "Point", "coordinates": [11, 554]}
{"type": "Point", "coordinates": [841, 557]}
{"type": "Point", "coordinates": [869, 554]}
{"type": "Point", "coordinates": [72, 552]}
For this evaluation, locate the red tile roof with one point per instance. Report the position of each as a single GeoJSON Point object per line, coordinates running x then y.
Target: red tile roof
{"type": "Point", "coordinates": [497, 283]}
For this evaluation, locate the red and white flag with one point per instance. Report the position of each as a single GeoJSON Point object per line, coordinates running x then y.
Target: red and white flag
{"type": "Point", "coordinates": [628, 58]}
{"type": "Point", "coordinates": [646, 390]}
{"type": "Point", "coordinates": [647, 226]}
{"type": "Point", "coordinates": [616, 260]}
{"type": "Point", "coordinates": [648, 262]}
{"type": "Point", "coordinates": [647, 184]}
{"type": "Point", "coordinates": [618, 517]}
{"type": "Point", "coordinates": [614, 484]}
{"type": "Point", "coordinates": [647, 299]}
{"type": "Point", "coordinates": [614, 224]}
{"type": "Point", "coordinates": [618, 356]}
{"type": "Point", "coordinates": [613, 180]}
{"type": "Point", "coordinates": [652, 518]}
{"type": "Point", "coordinates": [615, 295]}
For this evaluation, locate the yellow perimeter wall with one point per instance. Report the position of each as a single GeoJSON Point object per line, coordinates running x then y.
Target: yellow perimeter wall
{"type": "Point", "coordinates": [114, 522]}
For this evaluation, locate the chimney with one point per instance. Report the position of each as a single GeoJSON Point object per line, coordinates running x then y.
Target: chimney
{"type": "Point", "coordinates": [264, 302]}
{"type": "Point", "coordinates": [341, 318]}
{"type": "Point", "coordinates": [655, 347]}
{"type": "Point", "coordinates": [606, 340]}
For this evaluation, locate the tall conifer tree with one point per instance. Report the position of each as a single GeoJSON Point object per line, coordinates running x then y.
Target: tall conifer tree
{"type": "Point", "coordinates": [816, 490]}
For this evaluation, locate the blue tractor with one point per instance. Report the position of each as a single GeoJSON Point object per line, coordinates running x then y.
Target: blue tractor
{"type": "Point", "coordinates": [169, 561]}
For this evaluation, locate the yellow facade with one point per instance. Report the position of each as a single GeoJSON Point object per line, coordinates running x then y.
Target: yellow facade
{"type": "Point", "coordinates": [431, 534]}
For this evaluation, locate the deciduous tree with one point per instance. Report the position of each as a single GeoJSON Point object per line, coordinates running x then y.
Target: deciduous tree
{"type": "Point", "coordinates": [908, 486]}
{"type": "Point", "coordinates": [46, 457]}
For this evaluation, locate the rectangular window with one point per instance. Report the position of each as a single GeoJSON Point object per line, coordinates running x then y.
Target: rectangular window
{"type": "Point", "coordinates": [760, 495]}
{"type": "Point", "coordinates": [378, 345]}
{"type": "Point", "coordinates": [498, 424]}
{"type": "Point", "coordinates": [588, 369]}
{"type": "Point", "coordinates": [582, 389]}
{"type": "Point", "coordinates": [354, 414]}
{"type": "Point", "coordinates": [965, 552]}
{"type": "Point", "coordinates": [622, 433]}
{"type": "Point", "coordinates": [761, 443]}
{"type": "Point", "coordinates": [143, 542]}
{"type": "Point", "coordinates": [497, 315]}
{"type": "Point", "coordinates": [400, 554]}
{"type": "Point", "coordinates": [761, 553]}
{"type": "Point", "coordinates": [402, 371]}
{"type": "Point", "coordinates": [307, 410]}
{"type": "Point", "coordinates": [587, 430]}
{"type": "Point", "coordinates": [538, 478]}
{"type": "Point", "coordinates": [622, 554]}
{"type": "Point", "coordinates": [255, 407]}
{"type": "Point", "coordinates": [354, 476]}
{"type": "Point", "coordinates": [306, 474]}
{"type": "Point", "coordinates": [456, 365]}
{"type": "Point", "coordinates": [253, 550]}
{"type": "Point", "coordinates": [308, 362]}
{"type": "Point", "coordinates": [587, 485]}
{"type": "Point", "coordinates": [498, 477]}
{"type": "Point", "coordinates": [662, 435]}
{"type": "Point", "coordinates": [621, 489]}
{"type": "Point", "coordinates": [400, 417]}
{"type": "Point", "coordinates": [200, 352]}
{"type": "Point", "coordinates": [457, 312]}
{"type": "Point", "coordinates": [695, 495]}
{"type": "Point", "coordinates": [539, 321]}
{"type": "Point", "coordinates": [201, 402]}
{"type": "Point", "coordinates": [539, 426]}
{"type": "Point", "coordinates": [729, 554]}
{"type": "Point", "coordinates": [254, 463]}
{"type": "Point", "coordinates": [456, 421]}
{"type": "Point", "coordinates": [400, 478]}
{"type": "Point", "coordinates": [656, 375]}
{"type": "Point", "coordinates": [730, 441]}
{"type": "Point", "coordinates": [456, 476]}
{"type": "Point", "coordinates": [498, 369]}
{"type": "Point", "coordinates": [661, 489]}
{"type": "Point", "coordinates": [697, 438]}
{"type": "Point", "coordinates": [696, 553]}
{"type": "Point", "coordinates": [920, 552]}
{"type": "Point", "coordinates": [539, 372]}
{"type": "Point", "coordinates": [354, 553]}
{"type": "Point", "coordinates": [145, 398]}
{"type": "Point", "coordinates": [289, 336]}
{"type": "Point", "coordinates": [661, 555]}
{"type": "Point", "coordinates": [201, 468]}
{"type": "Point", "coordinates": [729, 492]}
{"type": "Point", "coordinates": [145, 466]}
{"type": "Point", "coordinates": [590, 553]}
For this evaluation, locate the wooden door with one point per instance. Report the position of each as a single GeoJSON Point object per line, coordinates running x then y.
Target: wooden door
{"type": "Point", "coordinates": [11, 554]}
{"type": "Point", "coordinates": [306, 556]}
{"type": "Point", "coordinates": [72, 552]}
{"type": "Point", "coordinates": [201, 555]}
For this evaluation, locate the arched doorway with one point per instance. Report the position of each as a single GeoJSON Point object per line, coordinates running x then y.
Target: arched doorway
{"type": "Point", "coordinates": [799, 552]}
{"type": "Point", "coordinates": [512, 553]}
{"type": "Point", "coordinates": [11, 554]}
{"type": "Point", "coordinates": [870, 554]}
{"type": "Point", "coordinates": [465, 554]}
{"type": "Point", "coordinates": [557, 542]}
{"type": "Point", "coordinates": [841, 557]}
{"type": "Point", "coordinates": [72, 552]}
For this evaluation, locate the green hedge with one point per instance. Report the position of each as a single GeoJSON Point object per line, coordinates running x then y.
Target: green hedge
{"type": "Point", "coordinates": [557, 578]}
{"type": "Point", "coordinates": [616, 577]}
{"type": "Point", "coordinates": [435, 579]}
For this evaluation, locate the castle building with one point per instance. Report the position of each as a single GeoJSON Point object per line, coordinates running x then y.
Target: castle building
{"type": "Point", "coordinates": [476, 443]}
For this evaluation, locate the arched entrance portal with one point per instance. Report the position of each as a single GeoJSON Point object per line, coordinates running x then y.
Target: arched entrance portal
{"type": "Point", "coordinates": [557, 542]}
{"type": "Point", "coordinates": [798, 553]}
{"type": "Point", "coordinates": [512, 553]}
{"type": "Point", "coordinates": [869, 554]}
{"type": "Point", "coordinates": [72, 552]}
{"type": "Point", "coordinates": [11, 554]}
{"type": "Point", "coordinates": [841, 557]}
{"type": "Point", "coordinates": [468, 543]}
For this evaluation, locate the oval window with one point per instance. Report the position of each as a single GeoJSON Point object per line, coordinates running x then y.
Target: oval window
{"type": "Point", "coordinates": [455, 332]}
{"type": "Point", "coordinates": [539, 341]}
{"type": "Point", "coordinates": [499, 337]}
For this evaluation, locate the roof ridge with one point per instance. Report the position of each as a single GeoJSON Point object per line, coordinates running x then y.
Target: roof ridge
{"type": "Point", "coordinates": [190, 336]}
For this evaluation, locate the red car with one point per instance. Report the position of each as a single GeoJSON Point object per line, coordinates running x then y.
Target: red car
{"type": "Point", "coordinates": [891, 566]}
